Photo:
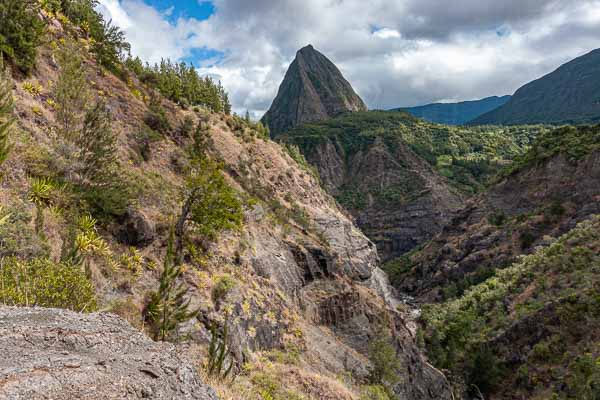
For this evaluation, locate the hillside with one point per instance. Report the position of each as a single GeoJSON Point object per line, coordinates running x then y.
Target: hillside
{"type": "Point", "coordinates": [313, 89]}
{"type": "Point", "coordinates": [400, 177]}
{"type": "Point", "coordinates": [545, 192]}
{"type": "Point", "coordinates": [569, 95]}
{"type": "Point", "coordinates": [456, 113]}
{"type": "Point", "coordinates": [122, 195]}
{"type": "Point", "coordinates": [532, 331]}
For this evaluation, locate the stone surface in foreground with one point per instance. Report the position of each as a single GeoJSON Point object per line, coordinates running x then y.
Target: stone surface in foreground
{"type": "Point", "coordinates": [57, 354]}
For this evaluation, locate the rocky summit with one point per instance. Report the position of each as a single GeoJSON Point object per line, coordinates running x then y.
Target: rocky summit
{"type": "Point", "coordinates": [313, 89]}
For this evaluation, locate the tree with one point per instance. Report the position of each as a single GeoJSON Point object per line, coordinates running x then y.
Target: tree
{"type": "Point", "coordinates": [209, 203]}
{"type": "Point", "coordinates": [168, 307]}
{"type": "Point", "coordinates": [21, 31]}
{"type": "Point", "coordinates": [71, 92]}
{"type": "Point", "coordinates": [97, 147]}
{"type": "Point", "coordinates": [6, 112]}
{"type": "Point", "coordinates": [110, 45]}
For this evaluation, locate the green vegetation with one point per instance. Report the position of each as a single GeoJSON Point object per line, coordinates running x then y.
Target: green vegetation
{"type": "Point", "coordinates": [181, 84]}
{"type": "Point", "coordinates": [573, 142]}
{"type": "Point", "coordinates": [6, 112]}
{"type": "Point", "coordinates": [85, 154]}
{"type": "Point", "coordinates": [223, 286]}
{"type": "Point", "coordinates": [468, 156]}
{"type": "Point", "coordinates": [43, 283]}
{"type": "Point", "coordinates": [21, 32]}
{"type": "Point", "coordinates": [217, 354]}
{"type": "Point", "coordinates": [210, 204]}
{"type": "Point", "coordinates": [168, 306]}
{"type": "Point", "coordinates": [385, 365]}
{"type": "Point", "coordinates": [554, 290]}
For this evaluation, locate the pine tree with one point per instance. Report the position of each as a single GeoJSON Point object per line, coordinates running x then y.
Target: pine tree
{"type": "Point", "coordinates": [168, 306]}
{"type": "Point", "coordinates": [21, 31]}
{"type": "Point", "coordinates": [71, 92]}
{"type": "Point", "coordinates": [97, 146]}
{"type": "Point", "coordinates": [6, 112]}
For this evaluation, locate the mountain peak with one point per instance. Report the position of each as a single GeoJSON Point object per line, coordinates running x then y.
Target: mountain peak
{"type": "Point", "coordinates": [313, 90]}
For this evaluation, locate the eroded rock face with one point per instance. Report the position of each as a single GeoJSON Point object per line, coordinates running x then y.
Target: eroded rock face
{"type": "Point", "coordinates": [490, 231]}
{"type": "Point", "coordinates": [313, 90]}
{"type": "Point", "coordinates": [404, 202]}
{"type": "Point", "coordinates": [61, 355]}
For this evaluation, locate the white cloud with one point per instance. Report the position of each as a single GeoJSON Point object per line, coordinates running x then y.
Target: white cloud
{"type": "Point", "coordinates": [386, 33]}
{"type": "Point", "coordinates": [474, 49]}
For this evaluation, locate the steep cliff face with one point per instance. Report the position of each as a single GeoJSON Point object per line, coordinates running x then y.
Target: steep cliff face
{"type": "Point", "coordinates": [395, 196]}
{"type": "Point", "coordinates": [301, 278]}
{"type": "Point", "coordinates": [313, 89]}
{"type": "Point", "coordinates": [555, 186]}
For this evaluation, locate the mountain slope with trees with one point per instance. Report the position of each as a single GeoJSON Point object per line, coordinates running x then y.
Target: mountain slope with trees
{"type": "Point", "coordinates": [456, 113]}
{"type": "Point", "coordinates": [569, 95]}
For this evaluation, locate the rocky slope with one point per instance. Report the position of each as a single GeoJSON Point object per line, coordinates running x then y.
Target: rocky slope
{"type": "Point", "coordinates": [546, 193]}
{"type": "Point", "coordinates": [59, 354]}
{"type": "Point", "coordinates": [313, 89]}
{"type": "Point", "coordinates": [456, 113]}
{"type": "Point", "coordinates": [569, 95]}
{"type": "Point", "coordinates": [402, 178]}
{"type": "Point", "coordinates": [300, 278]}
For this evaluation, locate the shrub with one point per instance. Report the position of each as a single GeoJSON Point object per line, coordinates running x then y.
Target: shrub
{"type": "Point", "coordinates": [527, 239]}
{"type": "Point", "coordinates": [223, 286]}
{"type": "Point", "coordinates": [21, 32]}
{"type": "Point", "coordinates": [374, 392]}
{"type": "Point", "coordinates": [497, 219]}
{"type": "Point", "coordinates": [156, 119]}
{"type": "Point", "coordinates": [43, 283]}
{"type": "Point", "coordinates": [385, 365]}
{"type": "Point", "coordinates": [144, 139]}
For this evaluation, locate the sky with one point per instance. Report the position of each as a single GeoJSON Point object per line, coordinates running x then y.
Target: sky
{"type": "Point", "coordinates": [395, 53]}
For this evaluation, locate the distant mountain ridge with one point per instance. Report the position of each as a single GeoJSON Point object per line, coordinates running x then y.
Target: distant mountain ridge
{"type": "Point", "coordinates": [456, 113]}
{"type": "Point", "coordinates": [569, 95]}
{"type": "Point", "coordinates": [313, 90]}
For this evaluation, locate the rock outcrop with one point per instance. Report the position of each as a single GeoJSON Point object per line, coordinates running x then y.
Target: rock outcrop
{"type": "Point", "coordinates": [397, 199]}
{"type": "Point", "coordinates": [313, 90]}
{"type": "Point", "coordinates": [58, 354]}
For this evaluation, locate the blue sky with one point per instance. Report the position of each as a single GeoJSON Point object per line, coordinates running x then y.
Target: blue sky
{"type": "Point", "coordinates": [184, 8]}
{"type": "Point", "coordinates": [394, 53]}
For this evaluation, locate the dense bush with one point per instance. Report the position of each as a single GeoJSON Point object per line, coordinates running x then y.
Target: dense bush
{"type": "Point", "coordinates": [43, 283]}
{"type": "Point", "coordinates": [21, 32]}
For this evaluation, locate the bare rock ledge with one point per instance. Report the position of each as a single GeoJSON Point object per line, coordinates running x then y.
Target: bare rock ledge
{"type": "Point", "coordinates": [60, 355]}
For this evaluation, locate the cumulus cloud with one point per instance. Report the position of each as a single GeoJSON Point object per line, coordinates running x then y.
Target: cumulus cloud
{"type": "Point", "coordinates": [399, 53]}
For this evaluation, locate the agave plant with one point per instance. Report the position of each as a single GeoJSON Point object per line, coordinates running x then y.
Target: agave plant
{"type": "Point", "coordinates": [40, 194]}
{"type": "Point", "coordinates": [3, 218]}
